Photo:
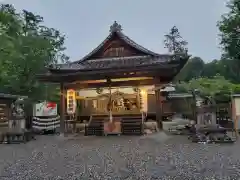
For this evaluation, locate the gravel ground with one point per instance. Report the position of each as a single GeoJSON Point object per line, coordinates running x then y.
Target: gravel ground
{"type": "Point", "coordinates": [149, 157]}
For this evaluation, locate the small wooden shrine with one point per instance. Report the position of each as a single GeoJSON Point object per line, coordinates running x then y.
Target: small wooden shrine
{"type": "Point", "coordinates": [117, 63]}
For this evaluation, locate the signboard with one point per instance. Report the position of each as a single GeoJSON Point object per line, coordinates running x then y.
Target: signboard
{"type": "Point", "coordinates": [45, 109]}
{"type": "Point", "coordinates": [71, 101]}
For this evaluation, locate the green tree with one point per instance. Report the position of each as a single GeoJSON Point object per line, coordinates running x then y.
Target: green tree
{"type": "Point", "coordinates": [174, 41]}
{"type": "Point", "coordinates": [229, 27]}
{"type": "Point", "coordinates": [26, 48]}
{"type": "Point", "coordinates": [206, 86]}
{"type": "Point", "coordinates": [193, 69]}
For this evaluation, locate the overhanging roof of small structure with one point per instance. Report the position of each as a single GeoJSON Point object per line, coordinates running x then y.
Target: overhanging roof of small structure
{"type": "Point", "coordinates": [235, 95]}
{"type": "Point", "coordinates": [11, 96]}
{"type": "Point", "coordinates": [91, 64]}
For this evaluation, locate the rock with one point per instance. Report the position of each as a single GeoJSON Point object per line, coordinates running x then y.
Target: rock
{"type": "Point", "coordinates": [147, 131]}
{"type": "Point", "coordinates": [151, 125]}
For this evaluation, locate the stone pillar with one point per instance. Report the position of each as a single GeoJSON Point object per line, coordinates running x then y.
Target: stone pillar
{"type": "Point", "coordinates": [158, 107]}
{"type": "Point", "coordinates": [62, 108]}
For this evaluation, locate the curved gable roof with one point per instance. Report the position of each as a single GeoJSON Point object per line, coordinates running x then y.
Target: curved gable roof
{"type": "Point", "coordinates": [116, 29]}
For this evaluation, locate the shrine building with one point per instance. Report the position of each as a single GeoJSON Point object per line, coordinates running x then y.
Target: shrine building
{"type": "Point", "coordinates": [112, 83]}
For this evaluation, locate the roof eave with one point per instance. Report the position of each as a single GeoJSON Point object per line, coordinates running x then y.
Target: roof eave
{"type": "Point", "coordinates": [103, 73]}
{"type": "Point", "coordinates": [180, 62]}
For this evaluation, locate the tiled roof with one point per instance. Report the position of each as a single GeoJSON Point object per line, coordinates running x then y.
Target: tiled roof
{"type": "Point", "coordinates": [119, 62]}
{"type": "Point", "coordinates": [116, 29]}
{"type": "Point", "coordinates": [150, 58]}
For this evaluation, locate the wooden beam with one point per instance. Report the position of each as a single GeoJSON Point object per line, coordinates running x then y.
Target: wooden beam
{"type": "Point", "coordinates": [158, 108]}
{"type": "Point", "coordinates": [110, 73]}
{"type": "Point", "coordinates": [115, 84]}
{"type": "Point", "coordinates": [108, 80]}
{"type": "Point", "coordinates": [62, 108]}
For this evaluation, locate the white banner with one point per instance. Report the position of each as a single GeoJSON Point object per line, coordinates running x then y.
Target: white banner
{"type": "Point", "coordinates": [45, 109]}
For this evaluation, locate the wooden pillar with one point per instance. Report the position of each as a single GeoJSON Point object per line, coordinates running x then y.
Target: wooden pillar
{"type": "Point", "coordinates": [138, 98]}
{"type": "Point", "coordinates": [158, 107]}
{"type": "Point", "coordinates": [195, 109]}
{"type": "Point", "coordinates": [62, 108]}
{"type": "Point", "coordinates": [236, 126]}
{"type": "Point", "coordinates": [235, 116]}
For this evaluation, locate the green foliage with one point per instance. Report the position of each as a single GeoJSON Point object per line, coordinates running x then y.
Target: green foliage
{"type": "Point", "coordinates": [229, 27]}
{"type": "Point", "coordinates": [26, 48]}
{"type": "Point", "coordinates": [218, 78]}
{"type": "Point", "coordinates": [197, 68]}
{"type": "Point", "coordinates": [207, 86]}
{"type": "Point", "coordinates": [192, 69]}
{"type": "Point", "coordinates": [229, 65]}
{"type": "Point", "coordinates": [217, 87]}
{"type": "Point", "coordinates": [174, 41]}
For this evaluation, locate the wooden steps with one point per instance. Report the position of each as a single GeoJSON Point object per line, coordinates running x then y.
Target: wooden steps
{"type": "Point", "coordinates": [130, 124]}
{"type": "Point", "coordinates": [96, 126]}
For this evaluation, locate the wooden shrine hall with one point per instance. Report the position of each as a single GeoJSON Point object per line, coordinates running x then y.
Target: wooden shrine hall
{"type": "Point", "coordinates": [117, 63]}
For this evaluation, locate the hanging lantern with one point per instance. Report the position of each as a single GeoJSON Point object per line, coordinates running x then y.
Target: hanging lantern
{"type": "Point", "coordinates": [71, 101]}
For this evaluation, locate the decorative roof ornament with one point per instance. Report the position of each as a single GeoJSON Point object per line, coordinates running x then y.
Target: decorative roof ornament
{"type": "Point", "coordinates": [115, 27]}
